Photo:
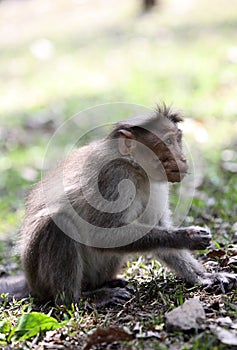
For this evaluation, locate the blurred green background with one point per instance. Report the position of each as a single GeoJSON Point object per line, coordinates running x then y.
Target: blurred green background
{"type": "Point", "coordinates": [60, 57]}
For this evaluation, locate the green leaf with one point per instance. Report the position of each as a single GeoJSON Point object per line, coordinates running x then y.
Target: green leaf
{"type": "Point", "coordinates": [33, 323]}
{"type": "Point", "coordinates": [217, 244]}
{"type": "Point", "coordinates": [5, 329]}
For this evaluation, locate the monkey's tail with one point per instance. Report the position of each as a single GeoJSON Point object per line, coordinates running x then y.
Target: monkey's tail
{"type": "Point", "coordinates": [15, 286]}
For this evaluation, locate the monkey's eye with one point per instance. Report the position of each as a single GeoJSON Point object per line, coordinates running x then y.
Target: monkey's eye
{"type": "Point", "coordinates": [168, 141]}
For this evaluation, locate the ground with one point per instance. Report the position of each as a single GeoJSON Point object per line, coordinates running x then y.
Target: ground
{"type": "Point", "coordinates": [59, 58]}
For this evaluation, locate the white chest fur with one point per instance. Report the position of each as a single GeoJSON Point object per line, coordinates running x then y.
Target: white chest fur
{"type": "Point", "coordinates": [158, 204]}
{"type": "Point", "coordinates": [156, 211]}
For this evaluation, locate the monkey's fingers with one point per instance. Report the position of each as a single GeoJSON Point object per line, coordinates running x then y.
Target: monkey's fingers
{"type": "Point", "coordinates": [200, 237]}
{"type": "Point", "coordinates": [202, 231]}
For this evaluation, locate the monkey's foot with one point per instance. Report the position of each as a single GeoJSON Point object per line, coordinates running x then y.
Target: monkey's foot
{"type": "Point", "coordinates": [221, 282]}
{"type": "Point", "coordinates": [110, 293]}
{"type": "Point", "coordinates": [116, 283]}
{"type": "Point", "coordinates": [200, 237]}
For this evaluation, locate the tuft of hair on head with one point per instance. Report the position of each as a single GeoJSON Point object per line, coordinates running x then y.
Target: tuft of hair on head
{"type": "Point", "coordinates": [173, 115]}
{"type": "Point", "coordinates": [138, 122]}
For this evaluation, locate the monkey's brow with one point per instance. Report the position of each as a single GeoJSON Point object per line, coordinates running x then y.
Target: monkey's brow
{"type": "Point", "coordinates": [171, 133]}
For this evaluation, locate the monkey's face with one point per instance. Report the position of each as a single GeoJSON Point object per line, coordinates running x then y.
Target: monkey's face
{"type": "Point", "coordinates": [162, 157]}
{"type": "Point", "coordinates": [172, 158]}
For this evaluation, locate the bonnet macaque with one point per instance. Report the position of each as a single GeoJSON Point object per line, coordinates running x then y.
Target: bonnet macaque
{"type": "Point", "coordinates": [104, 201]}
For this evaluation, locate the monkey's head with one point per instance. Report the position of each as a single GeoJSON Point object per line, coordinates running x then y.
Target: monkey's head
{"type": "Point", "coordinates": [155, 143]}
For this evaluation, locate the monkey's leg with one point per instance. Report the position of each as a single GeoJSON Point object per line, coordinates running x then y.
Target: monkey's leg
{"type": "Point", "coordinates": [53, 266]}
{"type": "Point", "coordinates": [183, 263]}
{"type": "Point", "coordinates": [100, 284]}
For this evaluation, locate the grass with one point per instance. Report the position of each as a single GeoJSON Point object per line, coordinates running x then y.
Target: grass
{"type": "Point", "coordinates": [60, 58]}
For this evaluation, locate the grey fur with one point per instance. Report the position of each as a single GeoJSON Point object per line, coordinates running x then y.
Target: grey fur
{"type": "Point", "coordinates": [78, 227]}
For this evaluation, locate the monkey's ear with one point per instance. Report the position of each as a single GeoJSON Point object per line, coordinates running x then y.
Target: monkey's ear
{"type": "Point", "coordinates": [127, 142]}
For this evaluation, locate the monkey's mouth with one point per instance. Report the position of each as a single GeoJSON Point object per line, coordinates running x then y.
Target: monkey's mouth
{"type": "Point", "coordinates": [178, 171]}
{"type": "Point", "coordinates": [176, 175]}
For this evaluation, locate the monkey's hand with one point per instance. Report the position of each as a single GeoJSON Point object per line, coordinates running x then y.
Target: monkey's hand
{"type": "Point", "coordinates": [197, 237]}
{"type": "Point", "coordinates": [113, 292]}
{"type": "Point", "coordinates": [220, 282]}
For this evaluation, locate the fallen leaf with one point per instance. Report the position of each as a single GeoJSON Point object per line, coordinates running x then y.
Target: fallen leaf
{"type": "Point", "coordinates": [149, 334]}
{"type": "Point", "coordinates": [108, 335]}
{"type": "Point", "coordinates": [226, 336]}
{"type": "Point", "coordinates": [216, 253]}
{"type": "Point", "coordinates": [224, 321]}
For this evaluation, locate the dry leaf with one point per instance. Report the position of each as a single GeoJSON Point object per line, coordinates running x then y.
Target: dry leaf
{"type": "Point", "coordinates": [216, 253]}
{"type": "Point", "coordinates": [108, 335]}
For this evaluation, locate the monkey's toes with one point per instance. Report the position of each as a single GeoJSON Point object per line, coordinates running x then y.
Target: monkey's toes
{"type": "Point", "coordinates": [221, 282]}
{"type": "Point", "coordinates": [116, 283]}
{"type": "Point", "coordinates": [115, 295]}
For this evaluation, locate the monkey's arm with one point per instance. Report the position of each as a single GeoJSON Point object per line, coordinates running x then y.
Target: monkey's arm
{"type": "Point", "coordinates": [192, 238]}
